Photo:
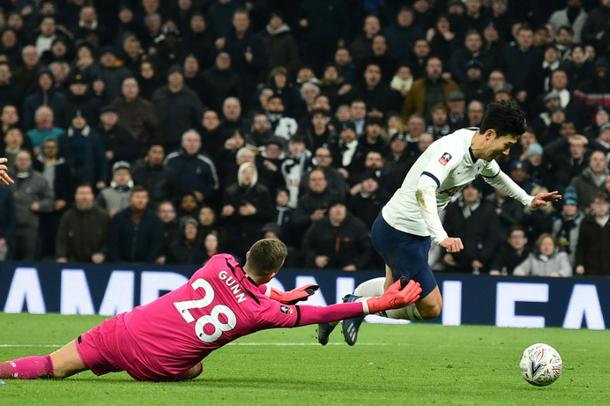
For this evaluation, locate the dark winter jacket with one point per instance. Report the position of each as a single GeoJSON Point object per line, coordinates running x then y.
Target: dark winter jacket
{"type": "Point", "coordinates": [82, 233]}
{"type": "Point", "coordinates": [135, 242]}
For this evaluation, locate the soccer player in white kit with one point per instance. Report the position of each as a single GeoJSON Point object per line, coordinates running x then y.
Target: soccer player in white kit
{"type": "Point", "coordinates": [407, 225]}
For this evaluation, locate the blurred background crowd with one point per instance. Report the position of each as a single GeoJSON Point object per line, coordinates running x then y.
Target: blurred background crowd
{"type": "Point", "coordinates": [167, 131]}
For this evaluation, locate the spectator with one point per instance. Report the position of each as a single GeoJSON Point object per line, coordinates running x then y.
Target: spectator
{"type": "Point", "coordinates": [188, 249]}
{"type": "Point", "coordinates": [313, 205]}
{"type": "Point", "coordinates": [112, 73]}
{"type": "Point", "coordinates": [338, 241]}
{"type": "Point", "coordinates": [9, 92]}
{"type": "Point", "coordinates": [595, 28]}
{"type": "Point", "coordinates": [360, 48]}
{"type": "Point", "coordinates": [246, 208]}
{"type": "Point", "coordinates": [44, 129]}
{"type": "Point", "coordinates": [199, 39]}
{"type": "Point", "coordinates": [322, 27]}
{"type": "Point", "coordinates": [367, 198]}
{"type": "Point", "coordinates": [509, 212]}
{"type": "Point", "coordinates": [207, 221]}
{"type": "Point", "coordinates": [567, 225]}
{"type": "Point", "coordinates": [9, 118]}
{"type": "Point", "coordinates": [456, 102]}
{"type": "Point", "coordinates": [283, 215]}
{"type": "Point", "coordinates": [281, 125]}
{"type": "Point", "coordinates": [323, 160]}
{"type": "Point", "coordinates": [402, 34]}
{"type": "Point", "coordinates": [591, 181]}
{"type": "Point", "coordinates": [136, 231]}
{"type": "Point", "coordinates": [428, 91]}
{"type": "Point", "coordinates": [83, 230]}
{"type": "Point", "coordinates": [397, 162]}
{"type": "Point", "coordinates": [402, 81]}
{"type": "Point", "coordinates": [155, 177]}
{"type": "Point", "coordinates": [473, 85]}
{"type": "Point", "coordinates": [32, 196]}
{"type": "Point", "coordinates": [178, 108]}
{"type": "Point", "coordinates": [573, 16]}
{"type": "Point", "coordinates": [475, 113]}
{"type": "Point", "coordinates": [512, 253]}
{"type": "Point", "coordinates": [80, 97]}
{"type": "Point", "coordinates": [14, 142]}
{"type": "Point", "coordinates": [546, 261]}
{"type": "Point", "coordinates": [194, 80]}
{"type": "Point", "coordinates": [197, 172]}
{"type": "Point", "coordinates": [115, 197]}
{"type": "Point", "coordinates": [442, 37]}
{"type": "Point", "coordinates": [169, 228]}
{"type": "Point", "coordinates": [27, 73]}
{"type": "Point", "coordinates": [475, 221]}
{"type": "Point", "coordinates": [213, 134]}
{"type": "Point", "coordinates": [59, 178]}
{"type": "Point", "coordinates": [472, 51]}
{"type": "Point", "coordinates": [232, 115]}
{"type": "Point", "coordinates": [439, 126]}
{"type": "Point", "coordinates": [84, 152]}
{"type": "Point", "coordinates": [119, 142]}
{"type": "Point", "coordinates": [148, 80]}
{"type": "Point", "coordinates": [211, 245]}
{"type": "Point", "coordinates": [46, 34]}
{"type": "Point", "coordinates": [378, 94]}
{"type": "Point", "coordinates": [269, 163]}
{"type": "Point", "coordinates": [7, 222]}
{"type": "Point", "coordinates": [280, 44]}
{"type": "Point", "coordinates": [188, 206]}
{"type": "Point", "coordinates": [246, 49]}
{"type": "Point", "coordinates": [294, 166]}
{"type": "Point", "coordinates": [137, 114]}
{"type": "Point", "coordinates": [223, 81]}
{"type": "Point", "coordinates": [520, 74]}
{"type": "Point", "coordinates": [592, 254]}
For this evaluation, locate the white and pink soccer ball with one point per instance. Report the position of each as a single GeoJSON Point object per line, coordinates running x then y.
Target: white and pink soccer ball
{"type": "Point", "coordinates": [540, 364]}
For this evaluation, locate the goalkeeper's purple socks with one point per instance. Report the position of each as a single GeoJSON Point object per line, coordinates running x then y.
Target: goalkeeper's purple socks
{"type": "Point", "coordinates": [27, 368]}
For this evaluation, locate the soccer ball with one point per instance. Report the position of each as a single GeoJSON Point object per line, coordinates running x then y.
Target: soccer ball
{"type": "Point", "coordinates": [540, 364]}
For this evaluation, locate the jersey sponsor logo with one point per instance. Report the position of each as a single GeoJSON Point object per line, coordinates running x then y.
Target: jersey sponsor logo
{"type": "Point", "coordinates": [445, 158]}
{"type": "Point", "coordinates": [286, 309]}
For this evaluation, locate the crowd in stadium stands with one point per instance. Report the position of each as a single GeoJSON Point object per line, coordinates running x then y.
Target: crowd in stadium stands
{"type": "Point", "coordinates": [167, 131]}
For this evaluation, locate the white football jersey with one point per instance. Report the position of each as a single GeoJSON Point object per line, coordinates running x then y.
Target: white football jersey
{"type": "Point", "coordinates": [450, 163]}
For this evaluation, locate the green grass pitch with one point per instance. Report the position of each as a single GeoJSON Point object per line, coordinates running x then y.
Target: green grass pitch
{"type": "Point", "coordinates": [407, 364]}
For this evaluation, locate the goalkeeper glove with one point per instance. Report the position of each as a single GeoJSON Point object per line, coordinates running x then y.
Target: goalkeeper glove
{"type": "Point", "coordinates": [295, 295]}
{"type": "Point", "coordinates": [399, 294]}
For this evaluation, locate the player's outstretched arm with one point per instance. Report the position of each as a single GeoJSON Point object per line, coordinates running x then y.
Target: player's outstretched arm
{"type": "Point", "coordinates": [396, 296]}
{"type": "Point", "coordinates": [62, 363]}
{"type": "Point", "coordinates": [503, 182]}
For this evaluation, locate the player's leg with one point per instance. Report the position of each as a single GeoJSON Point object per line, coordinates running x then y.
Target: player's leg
{"type": "Point", "coordinates": [67, 361]}
{"type": "Point", "coordinates": [60, 364]}
{"type": "Point", "coordinates": [370, 288]}
{"type": "Point", "coordinates": [429, 307]}
{"type": "Point", "coordinates": [192, 373]}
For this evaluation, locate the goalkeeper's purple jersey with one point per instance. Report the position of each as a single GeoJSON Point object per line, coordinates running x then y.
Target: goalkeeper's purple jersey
{"type": "Point", "coordinates": [216, 306]}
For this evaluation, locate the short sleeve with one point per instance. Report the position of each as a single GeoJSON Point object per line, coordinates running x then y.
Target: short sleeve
{"type": "Point", "coordinates": [275, 314]}
{"type": "Point", "coordinates": [491, 170]}
{"type": "Point", "coordinates": [445, 157]}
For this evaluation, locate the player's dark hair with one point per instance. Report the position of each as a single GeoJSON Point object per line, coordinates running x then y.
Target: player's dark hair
{"type": "Point", "coordinates": [266, 256]}
{"type": "Point", "coordinates": [505, 117]}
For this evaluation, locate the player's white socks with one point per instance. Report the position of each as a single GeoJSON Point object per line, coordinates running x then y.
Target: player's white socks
{"type": "Point", "coordinates": [375, 287]}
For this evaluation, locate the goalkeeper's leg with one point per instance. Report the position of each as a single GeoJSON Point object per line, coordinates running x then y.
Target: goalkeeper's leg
{"type": "Point", "coordinates": [60, 364]}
